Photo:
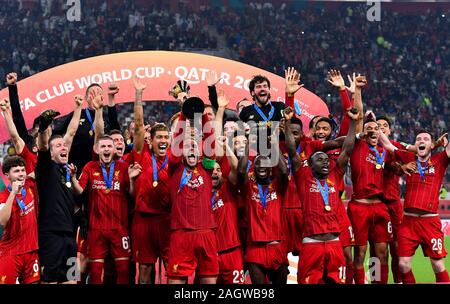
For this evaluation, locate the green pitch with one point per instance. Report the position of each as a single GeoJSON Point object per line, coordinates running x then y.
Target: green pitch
{"type": "Point", "coordinates": [422, 267]}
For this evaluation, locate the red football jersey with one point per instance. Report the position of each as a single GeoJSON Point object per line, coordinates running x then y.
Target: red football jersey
{"type": "Point", "coordinates": [424, 194]}
{"type": "Point", "coordinates": [226, 210]}
{"type": "Point", "coordinates": [264, 224]}
{"type": "Point", "coordinates": [391, 185]}
{"type": "Point", "coordinates": [107, 210]}
{"type": "Point", "coordinates": [334, 155]}
{"type": "Point", "coordinates": [191, 206]}
{"type": "Point", "coordinates": [291, 199]}
{"type": "Point", "coordinates": [150, 199]}
{"type": "Point", "coordinates": [316, 220]}
{"type": "Point", "coordinates": [20, 235]}
{"type": "Point", "coordinates": [30, 159]}
{"type": "Point", "coordinates": [307, 148]}
{"type": "Point", "coordinates": [366, 178]}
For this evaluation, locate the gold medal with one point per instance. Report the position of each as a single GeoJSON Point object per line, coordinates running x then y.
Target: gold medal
{"type": "Point", "coordinates": [155, 183]}
{"type": "Point", "coordinates": [91, 132]}
{"type": "Point", "coordinates": [68, 184]}
{"type": "Point", "coordinates": [327, 208]}
{"type": "Point", "coordinates": [378, 166]}
{"type": "Point", "coordinates": [269, 123]}
{"type": "Point", "coordinates": [107, 190]}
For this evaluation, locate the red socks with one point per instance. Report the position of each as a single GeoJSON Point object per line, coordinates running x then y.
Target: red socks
{"type": "Point", "coordinates": [384, 274]}
{"type": "Point", "coordinates": [408, 278]}
{"type": "Point", "coordinates": [96, 272]}
{"type": "Point", "coordinates": [349, 273]}
{"type": "Point", "coordinates": [442, 277]}
{"type": "Point", "coordinates": [122, 270]}
{"type": "Point", "coordinates": [359, 276]}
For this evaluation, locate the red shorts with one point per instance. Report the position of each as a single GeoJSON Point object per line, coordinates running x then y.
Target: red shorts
{"type": "Point", "coordinates": [100, 242]}
{"type": "Point", "coordinates": [292, 227]}
{"type": "Point", "coordinates": [424, 231]}
{"type": "Point", "coordinates": [193, 250]}
{"type": "Point", "coordinates": [81, 243]}
{"type": "Point", "coordinates": [231, 266]}
{"type": "Point", "coordinates": [396, 213]}
{"type": "Point", "coordinates": [150, 236]}
{"type": "Point", "coordinates": [270, 256]}
{"type": "Point", "coordinates": [24, 267]}
{"type": "Point", "coordinates": [347, 237]}
{"type": "Point", "coordinates": [316, 258]}
{"type": "Point", "coordinates": [370, 220]}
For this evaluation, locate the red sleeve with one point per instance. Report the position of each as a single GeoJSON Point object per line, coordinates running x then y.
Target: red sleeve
{"type": "Point", "coordinates": [224, 166]}
{"type": "Point", "coordinates": [404, 156]}
{"type": "Point", "coordinates": [84, 177]}
{"type": "Point", "coordinates": [346, 103]}
{"type": "Point", "coordinates": [129, 158]}
{"type": "Point", "coordinates": [289, 101]}
{"type": "Point", "coordinates": [398, 145]}
{"type": "Point", "coordinates": [315, 145]}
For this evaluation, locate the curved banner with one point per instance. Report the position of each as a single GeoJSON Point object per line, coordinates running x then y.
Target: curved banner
{"type": "Point", "coordinates": [55, 87]}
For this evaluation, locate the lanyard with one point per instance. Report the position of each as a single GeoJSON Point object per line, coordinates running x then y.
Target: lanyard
{"type": "Point", "coordinates": [380, 159]}
{"type": "Point", "coordinates": [263, 195]}
{"type": "Point", "coordinates": [249, 164]}
{"type": "Point", "coordinates": [20, 202]}
{"type": "Point", "coordinates": [324, 193]}
{"type": "Point", "coordinates": [89, 117]}
{"type": "Point", "coordinates": [155, 170]}
{"type": "Point", "coordinates": [421, 169]}
{"type": "Point", "coordinates": [213, 199]}
{"type": "Point", "coordinates": [184, 179]}
{"type": "Point", "coordinates": [263, 116]}
{"type": "Point", "coordinates": [108, 179]}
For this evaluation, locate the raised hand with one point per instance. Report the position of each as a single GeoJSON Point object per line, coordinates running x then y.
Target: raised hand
{"type": "Point", "coordinates": [134, 170]}
{"type": "Point", "coordinates": [72, 169]}
{"type": "Point", "coordinates": [370, 115]}
{"type": "Point", "coordinates": [11, 78]}
{"type": "Point", "coordinates": [353, 113]}
{"type": "Point", "coordinates": [441, 141]}
{"type": "Point", "coordinates": [292, 80]}
{"type": "Point", "coordinates": [16, 186]}
{"type": "Point", "coordinates": [352, 86]}
{"type": "Point", "coordinates": [211, 78]}
{"type": "Point", "coordinates": [222, 99]}
{"type": "Point", "coordinates": [113, 89]}
{"type": "Point", "coordinates": [288, 113]}
{"type": "Point", "coordinates": [138, 85]}
{"type": "Point", "coordinates": [360, 81]}
{"type": "Point", "coordinates": [78, 100]}
{"type": "Point", "coordinates": [4, 105]}
{"type": "Point", "coordinates": [335, 78]}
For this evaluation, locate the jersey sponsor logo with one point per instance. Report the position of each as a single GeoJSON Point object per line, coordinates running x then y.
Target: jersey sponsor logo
{"type": "Point", "coordinates": [271, 196]}
{"type": "Point", "coordinates": [373, 160]}
{"type": "Point", "coordinates": [315, 188]}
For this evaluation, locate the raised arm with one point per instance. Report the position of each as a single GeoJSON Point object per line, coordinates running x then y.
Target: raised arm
{"type": "Point", "coordinates": [99, 122]}
{"type": "Point", "coordinates": [349, 142]}
{"type": "Point", "coordinates": [74, 122]}
{"type": "Point", "coordinates": [113, 89]}
{"type": "Point", "coordinates": [292, 81]}
{"type": "Point", "coordinates": [360, 82]}
{"type": "Point", "coordinates": [17, 115]}
{"type": "Point", "coordinates": [386, 143]}
{"type": "Point", "coordinates": [290, 141]}
{"type": "Point", "coordinates": [133, 172]}
{"type": "Point", "coordinates": [212, 79]}
{"type": "Point", "coordinates": [242, 166]}
{"type": "Point", "coordinates": [336, 79]}
{"type": "Point", "coordinates": [17, 141]}
{"type": "Point", "coordinates": [45, 120]}
{"type": "Point", "coordinates": [139, 131]}
{"type": "Point", "coordinates": [222, 103]}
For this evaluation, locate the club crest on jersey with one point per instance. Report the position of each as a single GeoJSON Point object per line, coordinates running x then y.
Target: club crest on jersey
{"type": "Point", "coordinates": [218, 204]}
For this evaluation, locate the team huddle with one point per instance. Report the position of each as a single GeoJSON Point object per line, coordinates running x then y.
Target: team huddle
{"type": "Point", "coordinates": [217, 195]}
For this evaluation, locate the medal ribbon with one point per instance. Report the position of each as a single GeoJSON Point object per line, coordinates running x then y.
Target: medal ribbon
{"type": "Point", "coordinates": [213, 199]}
{"type": "Point", "coordinates": [380, 159]}
{"type": "Point", "coordinates": [89, 117]}
{"type": "Point", "coordinates": [108, 179]}
{"type": "Point", "coordinates": [263, 116]}
{"type": "Point", "coordinates": [323, 191]}
{"type": "Point", "coordinates": [154, 166]}
{"type": "Point", "coordinates": [421, 169]}
{"type": "Point", "coordinates": [263, 195]}
{"type": "Point", "coordinates": [184, 179]}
